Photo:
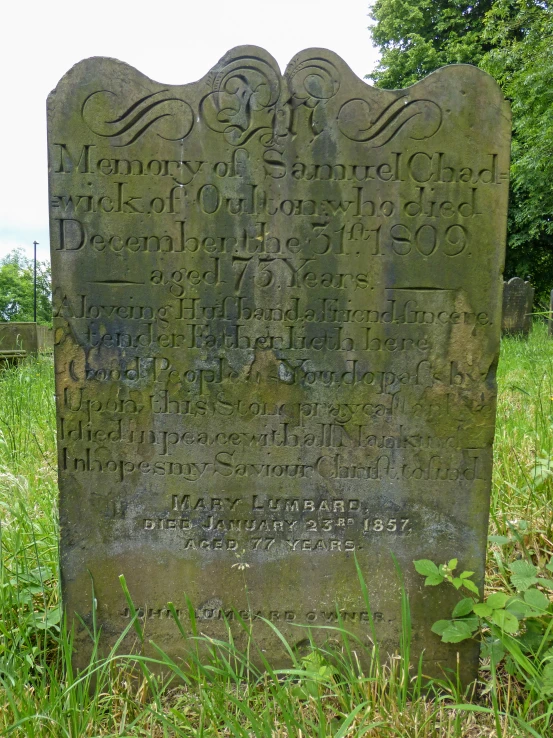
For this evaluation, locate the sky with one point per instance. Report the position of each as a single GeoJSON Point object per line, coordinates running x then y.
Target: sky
{"type": "Point", "coordinates": [171, 41]}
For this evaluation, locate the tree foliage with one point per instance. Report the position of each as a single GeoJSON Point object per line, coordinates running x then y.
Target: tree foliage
{"type": "Point", "coordinates": [522, 63]}
{"type": "Point", "coordinates": [513, 41]}
{"type": "Point", "coordinates": [416, 37]}
{"type": "Point", "coordinates": [17, 289]}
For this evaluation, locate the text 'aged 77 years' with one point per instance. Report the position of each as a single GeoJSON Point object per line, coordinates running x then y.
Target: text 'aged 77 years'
{"type": "Point", "coordinates": [277, 305]}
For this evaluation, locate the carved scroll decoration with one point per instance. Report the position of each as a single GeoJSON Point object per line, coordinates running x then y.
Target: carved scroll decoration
{"type": "Point", "coordinates": [422, 118]}
{"type": "Point", "coordinates": [243, 101]}
{"type": "Point", "coordinates": [313, 82]}
{"type": "Point", "coordinates": [170, 117]}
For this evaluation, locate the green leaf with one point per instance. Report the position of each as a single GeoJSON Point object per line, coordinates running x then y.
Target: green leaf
{"type": "Point", "coordinates": [524, 575]}
{"type": "Point", "coordinates": [426, 567]}
{"type": "Point", "coordinates": [466, 574]}
{"type": "Point", "coordinates": [440, 626]}
{"type": "Point", "coordinates": [452, 564]}
{"type": "Point", "coordinates": [463, 607]}
{"type": "Point", "coordinates": [492, 648]}
{"type": "Point", "coordinates": [547, 583]}
{"type": "Point", "coordinates": [533, 638]}
{"type": "Point", "coordinates": [305, 691]}
{"type": "Point", "coordinates": [510, 665]}
{"type": "Point", "coordinates": [523, 568]}
{"type": "Point", "coordinates": [433, 580]}
{"type": "Point", "coordinates": [456, 632]}
{"type": "Point", "coordinates": [536, 599]}
{"type": "Point", "coordinates": [519, 608]}
{"type": "Point", "coordinates": [497, 600]}
{"type": "Point", "coordinates": [49, 618]}
{"type": "Point", "coordinates": [500, 540]}
{"type": "Point", "coordinates": [505, 620]}
{"type": "Point", "coordinates": [472, 623]}
{"type": "Point", "coordinates": [457, 582]}
{"type": "Point", "coordinates": [521, 583]}
{"type": "Point", "coordinates": [547, 679]}
{"type": "Point", "coordinates": [471, 586]}
{"type": "Point", "coordinates": [482, 610]}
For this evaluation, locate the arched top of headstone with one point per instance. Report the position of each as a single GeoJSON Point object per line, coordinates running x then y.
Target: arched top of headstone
{"type": "Point", "coordinates": [245, 95]}
{"type": "Point", "coordinates": [244, 56]}
{"type": "Point", "coordinates": [515, 281]}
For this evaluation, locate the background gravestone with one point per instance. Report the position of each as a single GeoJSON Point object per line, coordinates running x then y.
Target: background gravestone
{"type": "Point", "coordinates": [518, 301]}
{"type": "Point", "coordinates": [29, 337]}
{"type": "Point", "coordinates": [277, 309]}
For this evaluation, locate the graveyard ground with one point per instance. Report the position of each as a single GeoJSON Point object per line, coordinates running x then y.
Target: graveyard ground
{"type": "Point", "coordinates": [40, 695]}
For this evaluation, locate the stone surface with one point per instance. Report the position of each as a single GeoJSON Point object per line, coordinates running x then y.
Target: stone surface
{"type": "Point", "coordinates": [277, 308]}
{"type": "Point", "coordinates": [518, 300]}
{"type": "Point", "coordinates": [30, 337]}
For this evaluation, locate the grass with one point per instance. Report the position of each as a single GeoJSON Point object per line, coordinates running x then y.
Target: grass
{"type": "Point", "coordinates": [322, 694]}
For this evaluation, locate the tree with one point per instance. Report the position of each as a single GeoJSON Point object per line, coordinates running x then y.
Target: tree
{"type": "Point", "coordinates": [416, 37]}
{"type": "Point", "coordinates": [522, 63]}
{"type": "Point", "coordinates": [512, 40]}
{"type": "Point", "coordinates": [16, 289]}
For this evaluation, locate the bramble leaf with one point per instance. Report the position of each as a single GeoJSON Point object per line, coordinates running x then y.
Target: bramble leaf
{"type": "Point", "coordinates": [521, 583]}
{"type": "Point", "coordinates": [456, 632]}
{"type": "Point", "coordinates": [497, 600]}
{"type": "Point", "coordinates": [426, 567]}
{"type": "Point", "coordinates": [523, 574]}
{"type": "Point", "coordinates": [536, 599]}
{"type": "Point", "coordinates": [463, 608]}
{"type": "Point", "coordinates": [472, 623]}
{"type": "Point", "coordinates": [471, 586]}
{"type": "Point", "coordinates": [519, 608]}
{"type": "Point", "coordinates": [466, 574]}
{"type": "Point", "coordinates": [452, 565]}
{"type": "Point", "coordinates": [433, 580]}
{"type": "Point", "coordinates": [505, 620]}
{"type": "Point", "coordinates": [523, 568]}
{"type": "Point", "coordinates": [440, 625]}
{"type": "Point", "coordinates": [482, 610]}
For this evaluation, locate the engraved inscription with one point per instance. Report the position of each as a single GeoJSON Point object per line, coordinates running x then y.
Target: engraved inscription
{"type": "Point", "coordinates": [276, 312]}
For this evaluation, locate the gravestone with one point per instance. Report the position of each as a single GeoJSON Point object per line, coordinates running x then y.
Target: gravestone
{"type": "Point", "coordinates": [518, 300]}
{"type": "Point", "coordinates": [29, 337]}
{"type": "Point", "coordinates": [277, 308]}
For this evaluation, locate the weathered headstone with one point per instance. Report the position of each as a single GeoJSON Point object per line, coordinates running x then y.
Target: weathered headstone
{"type": "Point", "coordinates": [29, 337]}
{"type": "Point", "coordinates": [518, 299]}
{"type": "Point", "coordinates": [277, 309]}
